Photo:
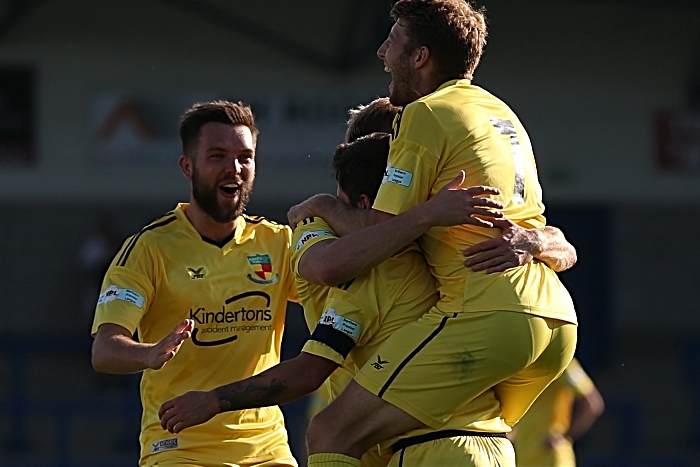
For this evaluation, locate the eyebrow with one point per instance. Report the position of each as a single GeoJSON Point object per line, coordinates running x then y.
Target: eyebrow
{"type": "Point", "coordinates": [218, 149]}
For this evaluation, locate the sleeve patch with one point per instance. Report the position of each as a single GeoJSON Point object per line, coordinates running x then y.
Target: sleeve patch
{"type": "Point", "coordinates": [116, 293]}
{"type": "Point", "coordinates": [339, 323]}
{"type": "Point", "coordinates": [311, 234]}
{"type": "Point", "coordinates": [398, 176]}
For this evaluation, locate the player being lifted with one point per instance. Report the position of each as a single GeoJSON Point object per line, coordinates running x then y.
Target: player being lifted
{"type": "Point", "coordinates": [513, 331]}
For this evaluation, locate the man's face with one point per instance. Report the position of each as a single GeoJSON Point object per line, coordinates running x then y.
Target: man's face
{"type": "Point", "coordinates": [223, 170]}
{"type": "Point", "coordinates": [397, 60]}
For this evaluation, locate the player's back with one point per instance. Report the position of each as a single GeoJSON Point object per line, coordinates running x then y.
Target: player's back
{"type": "Point", "coordinates": [463, 127]}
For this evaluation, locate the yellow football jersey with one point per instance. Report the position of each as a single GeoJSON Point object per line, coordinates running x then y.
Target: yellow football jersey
{"type": "Point", "coordinates": [313, 298]}
{"type": "Point", "coordinates": [237, 296]}
{"type": "Point", "coordinates": [360, 315]}
{"type": "Point", "coordinates": [551, 413]}
{"type": "Point", "coordinates": [463, 127]}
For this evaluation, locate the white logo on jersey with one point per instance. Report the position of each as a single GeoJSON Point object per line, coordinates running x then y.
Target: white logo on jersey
{"type": "Point", "coordinates": [398, 176]}
{"type": "Point", "coordinates": [164, 445]}
{"type": "Point", "coordinates": [309, 235]}
{"type": "Point", "coordinates": [340, 323]}
{"type": "Point", "coordinates": [116, 293]}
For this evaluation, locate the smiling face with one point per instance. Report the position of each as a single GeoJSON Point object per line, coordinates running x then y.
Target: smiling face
{"type": "Point", "coordinates": [396, 54]}
{"type": "Point", "coordinates": [223, 170]}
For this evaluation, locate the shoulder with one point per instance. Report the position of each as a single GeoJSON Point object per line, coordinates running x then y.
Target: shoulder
{"type": "Point", "coordinates": [263, 223]}
{"type": "Point", "coordinates": [266, 230]}
{"type": "Point", "coordinates": [148, 237]}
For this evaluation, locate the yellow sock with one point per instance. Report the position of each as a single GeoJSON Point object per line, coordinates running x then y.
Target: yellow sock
{"type": "Point", "coordinates": [328, 459]}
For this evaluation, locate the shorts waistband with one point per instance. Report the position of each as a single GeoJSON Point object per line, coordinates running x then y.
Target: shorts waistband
{"type": "Point", "coordinates": [413, 440]}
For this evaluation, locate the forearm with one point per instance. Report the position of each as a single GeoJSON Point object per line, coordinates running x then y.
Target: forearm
{"type": "Point", "coordinates": [552, 248]}
{"type": "Point", "coordinates": [586, 411]}
{"type": "Point", "coordinates": [119, 354]}
{"type": "Point", "coordinates": [358, 252]}
{"type": "Point", "coordinates": [342, 218]}
{"type": "Point", "coordinates": [281, 384]}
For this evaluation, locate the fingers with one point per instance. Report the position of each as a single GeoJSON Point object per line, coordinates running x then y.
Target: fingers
{"type": "Point", "coordinates": [489, 263]}
{"type": "Point", "coordinates": [165, 407]}
{"type": "Point", "coordinates": [456, 182]}
{"type": "Point", "coordinates": [478, 222]}
{"type": "Point", "coordinates": [503, 224]}
{"type": "Point", "coordinates": [478, 248]}
{"type": "Point", "coordinates": [482, 190]}
{"type": "Point", "coordinates": [170, 419]}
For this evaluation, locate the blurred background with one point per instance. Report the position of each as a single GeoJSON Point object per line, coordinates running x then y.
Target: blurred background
{"type": "Point", "coordinates": [90, 96]}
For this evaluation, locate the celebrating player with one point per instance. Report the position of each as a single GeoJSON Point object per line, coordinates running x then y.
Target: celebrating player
{"type": "Point", "coordinates": [514, 330]}
{"type": "Point", "coordinates": [206, 287]}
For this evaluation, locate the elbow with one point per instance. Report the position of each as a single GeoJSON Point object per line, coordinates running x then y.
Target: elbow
{"type": "Point", "coordinates": [98, 364]}
{"type": "Point", "coordinates": [331, 276]}
{"type": "Point", "coordinates": [99, 361]}
{"type": "Point", "coordinates": [324, 273]}
{"type": "Point", "coordinates": [573, 257]}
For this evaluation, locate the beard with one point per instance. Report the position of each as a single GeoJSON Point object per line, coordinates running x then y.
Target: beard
{"type": "Point", "coordinates": [206, 197]}
{"type": "Point", "coordinates": [404, 83]}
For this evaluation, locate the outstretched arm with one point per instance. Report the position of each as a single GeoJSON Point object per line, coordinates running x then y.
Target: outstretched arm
{"type": "Point", "coordinates": [115, 351]}
{"type": "Point", "coordinates": [587, 409]}
{"type": "Point", "coordinates": [285, 382]}
{"type": "Point", "coordinates": [360, 251]}
{"type": "Point", "coordinates": [517, 245]}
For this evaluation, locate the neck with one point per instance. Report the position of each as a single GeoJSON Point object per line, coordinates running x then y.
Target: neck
{"type": "Point", "coordinates": [208, 227]}
{"type": "Point", "coordinates": [430, 82]}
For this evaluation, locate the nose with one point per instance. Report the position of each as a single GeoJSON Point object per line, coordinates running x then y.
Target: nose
{"type": "Point", "coordinates": [381, 51]}
{"type": "Point", "coordinates": [234, 166]}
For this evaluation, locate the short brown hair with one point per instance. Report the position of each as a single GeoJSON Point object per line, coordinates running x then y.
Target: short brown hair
{"type": "Point", "coordinates": [201, 113]}
{"type": "Point", "coordinates": [453, 30]}
{"type": "Point", "coordinates": [359, 165]}
{"type": "Point", "coordinates": [377, 116]}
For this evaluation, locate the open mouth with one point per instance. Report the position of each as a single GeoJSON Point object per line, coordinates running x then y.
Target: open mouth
{"type": "Point", "coordinates": [230, 189]}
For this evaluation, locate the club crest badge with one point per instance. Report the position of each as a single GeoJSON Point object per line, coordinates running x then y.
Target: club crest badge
{"type": "Point", "coordinates": [262, 267]}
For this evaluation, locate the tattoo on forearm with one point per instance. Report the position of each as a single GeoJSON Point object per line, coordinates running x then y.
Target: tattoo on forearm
{"type": "Point", "coordinates": [251, 393]}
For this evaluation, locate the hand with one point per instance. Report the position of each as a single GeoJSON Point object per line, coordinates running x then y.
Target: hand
{"type": "Point", "coordinates": [455, 206]}
{"type": "Point", "coordinates": [306, 208]}
{"type": "Point", "coordinates": [190, 409]}
{"type": "Point", "coordinates": [165, 350]}
{"type": "Point", "coordinates": [514, 247]}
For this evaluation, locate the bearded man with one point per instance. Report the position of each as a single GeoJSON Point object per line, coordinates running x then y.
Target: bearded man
{"type": "Point", "coordinates": [206, 288]}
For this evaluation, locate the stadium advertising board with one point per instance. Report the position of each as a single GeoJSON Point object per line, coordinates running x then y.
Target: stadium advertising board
{"type": "Point", "coordinates": [296, 129]}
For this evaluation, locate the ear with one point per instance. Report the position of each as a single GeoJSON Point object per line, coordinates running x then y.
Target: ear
{"type": "Point", "coordinates": [185, 164]}
{"type": "Point", "coordinates": [422, 55]}
{"type": "Point", "coordinates": [365, 202]}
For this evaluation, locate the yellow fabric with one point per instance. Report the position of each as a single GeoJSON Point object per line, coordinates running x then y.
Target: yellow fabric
{"type": "Point", "coordinates": [551, 413]}
{"type": "Point", "coordinates": [313, 298]}
{"type": "Point", "coordinates": [327, 459]}
{"type": "Point", "coordinates": [465, 354]}
{"type": "Point", "coordinates": [382, 302]}
{"type": "Point", "coordinates": [168, 273]}
{"type": "Point", "coordinates": [462, 127]}
{"type": "Point", "coordinates": [462, 451]}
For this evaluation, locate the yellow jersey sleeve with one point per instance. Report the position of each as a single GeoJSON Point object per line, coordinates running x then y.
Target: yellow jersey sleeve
{"type": "Point", "coordinates": [577, 379]}
{"type": "Point", "coordinates": [307, 233]}
{"type": "Point", "coordinates": [128, 289]}
{"type": "Point", "coordinates": [412, 167]}
{"type": "Point", "coordinates": [315, 347]}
